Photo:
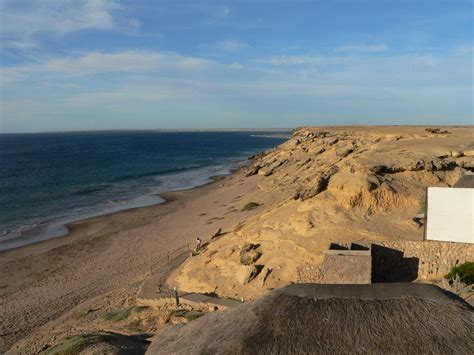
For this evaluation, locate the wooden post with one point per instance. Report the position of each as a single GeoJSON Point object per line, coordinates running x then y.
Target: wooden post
{"type": "Point", "coordinates": [176, 296]}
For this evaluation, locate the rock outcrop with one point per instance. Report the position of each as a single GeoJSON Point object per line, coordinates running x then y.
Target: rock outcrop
{"type": "Point", "coordinates": [332, 184]}
{"type": "Point", "coordinates": [249, 254]}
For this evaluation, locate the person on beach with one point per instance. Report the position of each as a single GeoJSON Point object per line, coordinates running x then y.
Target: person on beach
{"type": "Point", "coordinates": [198, 245]}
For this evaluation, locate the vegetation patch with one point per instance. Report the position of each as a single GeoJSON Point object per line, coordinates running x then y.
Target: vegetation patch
{"type": "Point", "coordinates": [73, 345]}
{"type": "Point", "coordinates": [121, 314]}
{"type": "Point", "coordinates": [194, 315]}
{"type": "Point", "coordinates": [134, 327]}
{"type": "Point", "coordinates": [83, 313]}
{"type": "Point", "coordinates": [422, 209]}
{"type": "Point", "coordinates": [213, 219]}
{"type": "Point", "coordinates": [178, 312]}
{"type": "Point", "coordinates": [249, 206]}
{"type": "Point", "coordinates": [183, 313]}
{"type": "Point", "coordinates": [465, 272]}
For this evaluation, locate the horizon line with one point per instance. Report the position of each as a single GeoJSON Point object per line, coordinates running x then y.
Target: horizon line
{"type": "Point", "coordinates": [247, 129]}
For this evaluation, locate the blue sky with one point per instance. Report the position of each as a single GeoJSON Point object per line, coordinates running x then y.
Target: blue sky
{"type": "Point", "coordinates": [111, 64]}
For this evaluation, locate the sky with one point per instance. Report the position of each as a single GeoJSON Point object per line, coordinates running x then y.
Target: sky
{"type": "Point", "coordinates": [117, 64]}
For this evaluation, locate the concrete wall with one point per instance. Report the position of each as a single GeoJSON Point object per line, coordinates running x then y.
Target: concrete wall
{"type": "Point", "coordinates": [450, 214]}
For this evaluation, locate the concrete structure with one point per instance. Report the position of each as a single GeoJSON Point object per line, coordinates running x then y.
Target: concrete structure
{"type": "Point", "coordinates": [450, 212]}
{"type": "Point", "coordinates": [347, 264]}
{"type": "Point", "coordinates": [406, 260]}
{"type": "Point", "coordinates": [466, 181]}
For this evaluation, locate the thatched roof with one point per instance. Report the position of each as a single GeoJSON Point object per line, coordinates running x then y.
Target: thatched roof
{"type": "Point", "coordinates": [310, 318]}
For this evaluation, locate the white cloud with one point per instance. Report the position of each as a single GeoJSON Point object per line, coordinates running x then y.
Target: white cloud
{"type": "Point", "coordinates": [98, 62]}
{"type": "Point", "coordinates": [299, 60]}
{"type": "Point", "coordinates": [373, 48]}
{"type": "Point", "coordinates": [227, 46]}
{"type": "Point", "coordinates": [22, 44]}
{"type": "Point", "coordinates": [236, 65]}
{"type": "Point", "coordinates": [467, 48]}
{"type": "Point", "coordinates": [22, 21]}
{"type": "Point", "coordinates": [406, 84]}
{"type": "Point", "coordinates": [225, 11]}
{"type": "Point", "coordinates": [218, 15]}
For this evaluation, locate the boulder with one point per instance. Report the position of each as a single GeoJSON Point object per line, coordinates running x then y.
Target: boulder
{"type": "Point", "coordinates": [249, 254]}
{"type": "Point", "coordinates": [466, 163]}
{"type": "Point", "coordinates": [344, 151]}
{"type": "Point", "coordinates": [265, 273]}
{"type": "Point", "coordinates": [320, 184]}
{"type": "Point", "coordinates": [469, 153]}
{"type": "Point", "coordinates": [269, 170]}
{"type": "Point", "coordinates": [247, 273]}
{"type": "Point", "coordinates": [290, 144]}
{"type": "Point", "coordinates": [298, 193]}
{"type": "Point", "coordinates": [332, 141]}
{"type": "Point", "coordinates": [252, 170]}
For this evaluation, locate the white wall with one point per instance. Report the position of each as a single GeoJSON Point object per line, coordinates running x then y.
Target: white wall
{"type": "Point", "coordinates": [450, 214]}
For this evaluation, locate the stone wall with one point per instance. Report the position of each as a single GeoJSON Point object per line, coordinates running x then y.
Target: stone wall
{"type": "Point", "coordinates": [405, 261]}
{"type": "Point", "coordinates": [434, 259]}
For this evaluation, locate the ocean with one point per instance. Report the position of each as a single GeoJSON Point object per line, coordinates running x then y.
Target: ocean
{"type": "Point", "coordinates": [50, 179]}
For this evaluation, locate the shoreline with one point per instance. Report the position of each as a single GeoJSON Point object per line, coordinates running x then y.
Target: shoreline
{"type": "Point", "coordinates": [70, 225]}
{"type": "Point", "coordinates": [77, 226]}
{"type": "Point", "coordinates": [45, 207]}
{"type": "Point", "coordinates": [46, 281]}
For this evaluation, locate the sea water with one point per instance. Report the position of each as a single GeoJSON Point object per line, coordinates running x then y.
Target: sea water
{"type": "Point", "coordinates": [50, 179]}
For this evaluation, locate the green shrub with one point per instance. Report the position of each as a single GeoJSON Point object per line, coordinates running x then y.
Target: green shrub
{"type": "Point", "coordinates": [465, 272]}
{"type": "Point", "coordinates": [178, 313]}
{"type": "Point", "coordinates": [83, 313]}
{"type": "Point", "coordinates": [422, 209]}
{"type": "Point", "coordinates": [73, 345]}
{"type": "Point", "coordinates": [250, 206]}
{"type": "Point", "coordinates": [189, 315]}
{"type": "Point", "coordinates": [193, 315]}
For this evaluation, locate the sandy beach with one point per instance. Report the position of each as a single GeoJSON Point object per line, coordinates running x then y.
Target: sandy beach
{"type": "Point", "coordinates": [202, 177]}
{"type": "Point", "coordinates": [62, 287]}
{"type": "Point", "coordinates": [44, 282]}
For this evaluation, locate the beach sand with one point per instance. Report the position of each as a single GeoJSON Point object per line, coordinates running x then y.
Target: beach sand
{"type": "Point", "coordinates": [63, 287]}
{"type": "Point", "coordinates": [109, 255]}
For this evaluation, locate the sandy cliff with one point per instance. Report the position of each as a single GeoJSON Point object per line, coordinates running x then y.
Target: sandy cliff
{"type": "Point", "coordinates": [329, 184]}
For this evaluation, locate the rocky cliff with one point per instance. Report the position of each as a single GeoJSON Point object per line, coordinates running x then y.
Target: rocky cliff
{"type": "Point", "coordinates": [333, 184]}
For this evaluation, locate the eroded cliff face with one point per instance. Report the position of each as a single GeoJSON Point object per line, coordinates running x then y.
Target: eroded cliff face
{"type": "Point", "coordinates": [337, 184]}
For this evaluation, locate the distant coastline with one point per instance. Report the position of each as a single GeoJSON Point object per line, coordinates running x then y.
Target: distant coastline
{"type": "Point", "coordinates": [276, 135]}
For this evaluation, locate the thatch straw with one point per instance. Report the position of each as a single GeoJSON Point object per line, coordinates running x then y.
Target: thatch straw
{"type": "Point", "coordinates": [287, 322]}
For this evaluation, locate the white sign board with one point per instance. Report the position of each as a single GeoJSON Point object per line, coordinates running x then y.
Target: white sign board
{"type": "Point", "coordinates": [450, 214]}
